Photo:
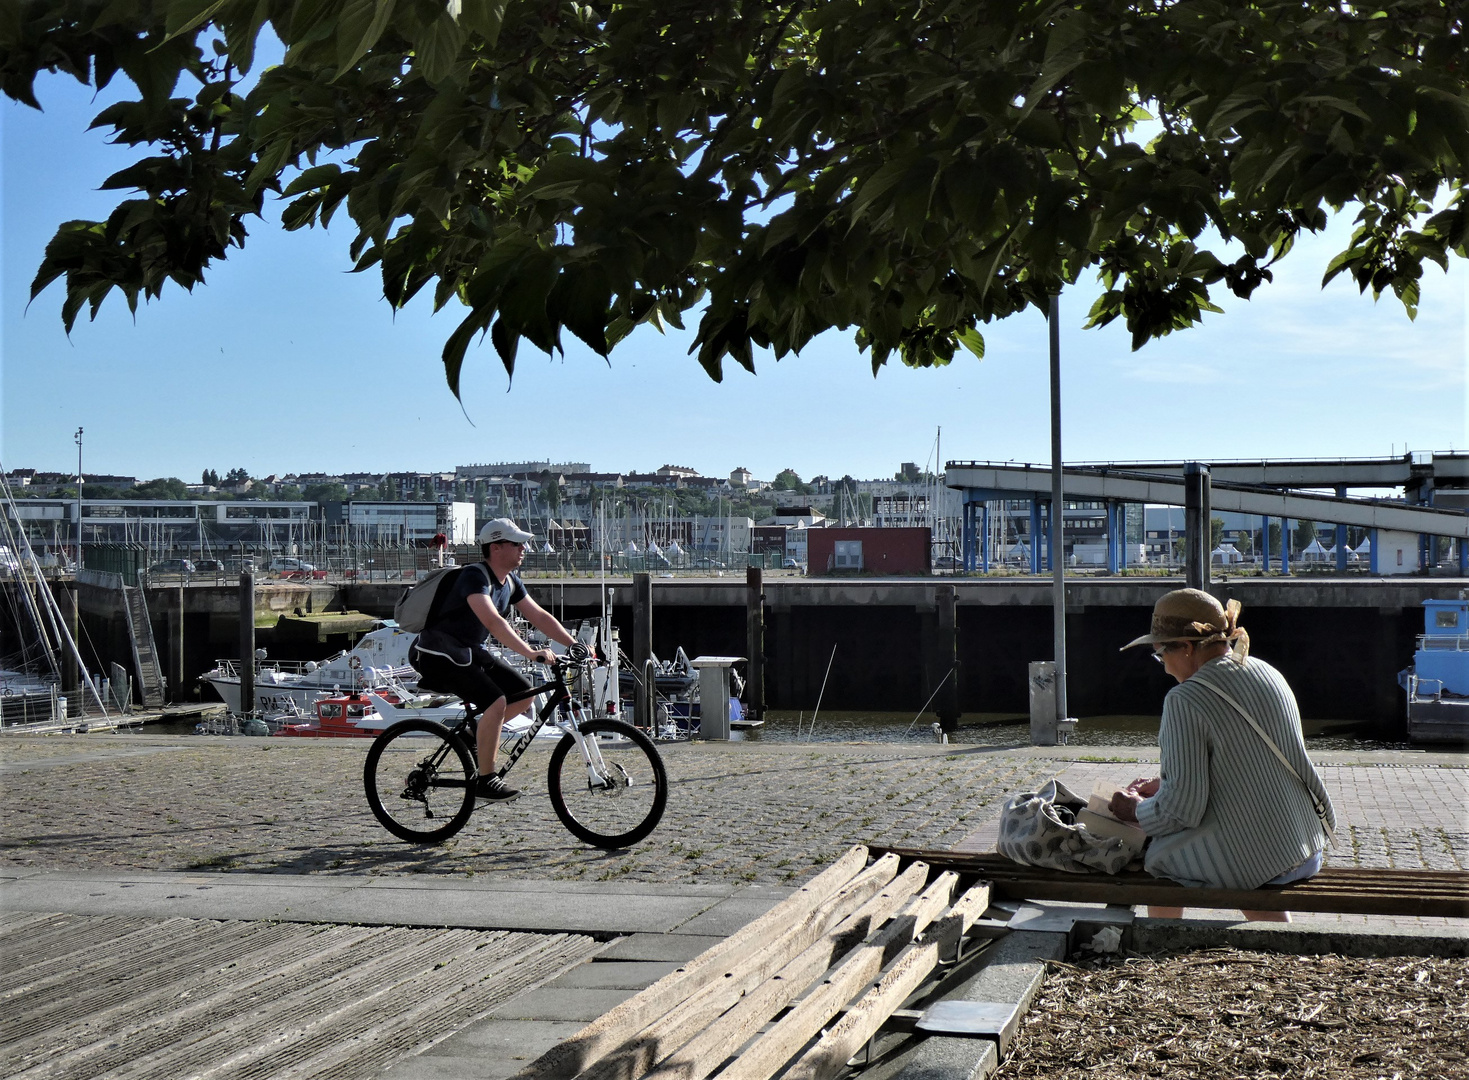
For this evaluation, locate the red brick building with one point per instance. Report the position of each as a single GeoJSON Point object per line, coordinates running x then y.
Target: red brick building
{"type": "Point", "coordinates": [880, 552]}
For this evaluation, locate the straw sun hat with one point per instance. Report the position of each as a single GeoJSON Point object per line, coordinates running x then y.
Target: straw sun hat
{"type": "Point", "coordinates": [1194, 615]}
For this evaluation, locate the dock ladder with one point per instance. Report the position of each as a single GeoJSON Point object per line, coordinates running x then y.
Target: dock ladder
{"type": "Point", "coordinates": [145, 652]}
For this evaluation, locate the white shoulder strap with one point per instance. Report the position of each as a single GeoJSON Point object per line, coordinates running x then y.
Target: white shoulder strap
{"type": "Point", "coordinates": [1315, 802]}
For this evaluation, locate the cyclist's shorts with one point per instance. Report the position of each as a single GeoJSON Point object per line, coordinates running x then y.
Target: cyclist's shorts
{"type": "Point", "coordinates": [482, 682]}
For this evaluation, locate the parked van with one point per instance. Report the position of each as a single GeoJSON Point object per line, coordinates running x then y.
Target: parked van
{"type": "Point", "coordinates": [284, 565]}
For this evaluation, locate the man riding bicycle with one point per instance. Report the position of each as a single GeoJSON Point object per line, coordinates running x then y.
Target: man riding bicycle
{"type": "Point", "coordinates": [451, 654]}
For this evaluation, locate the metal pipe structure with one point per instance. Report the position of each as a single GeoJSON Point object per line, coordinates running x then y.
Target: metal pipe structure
{"type": "Point", "coordinates": [1196, 525]}
{"type": "Point", "coordinates": [1058, 511]}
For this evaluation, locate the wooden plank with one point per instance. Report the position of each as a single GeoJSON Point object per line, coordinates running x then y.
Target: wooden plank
{"type": "Point", "coordinates": [1345, 890]}
{"type": "Point", "coordinates": [643, 1049]}
{"type": "Point", "coordinates": [710, 1047]}
{"type": "Point", "coordinates": [568, 1058]}
{"type": "Point", "coordinates": [766, 1055]}
{"type": "Point", "coordinates": [866, 1017]}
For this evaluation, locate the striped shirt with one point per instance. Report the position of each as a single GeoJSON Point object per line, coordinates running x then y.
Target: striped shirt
{"type": "Point", "coordinates": [1228, 814]}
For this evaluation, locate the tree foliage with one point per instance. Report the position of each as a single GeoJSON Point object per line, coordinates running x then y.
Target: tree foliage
{"type": "Point", "coordinates": [904, 169]}
{"type": "Point", "coordinates": [790, 480]}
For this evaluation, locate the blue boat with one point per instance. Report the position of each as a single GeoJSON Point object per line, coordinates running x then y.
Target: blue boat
{"type": "Point", "coordinates": [1437, 682]}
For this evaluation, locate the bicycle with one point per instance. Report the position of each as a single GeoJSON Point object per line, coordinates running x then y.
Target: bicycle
{"type": "Point", "coordinates": [610, 793]}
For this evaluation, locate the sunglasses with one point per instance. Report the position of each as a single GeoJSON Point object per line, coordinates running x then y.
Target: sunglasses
{"type": "Point", "coordinates": [1158, 652]}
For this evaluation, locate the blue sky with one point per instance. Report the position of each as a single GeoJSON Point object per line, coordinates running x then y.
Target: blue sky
{"type": "Point", "coordinates": [284, 362]}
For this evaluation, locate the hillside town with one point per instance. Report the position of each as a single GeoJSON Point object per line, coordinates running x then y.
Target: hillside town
{"type": "Point", "coordinates": [672, 518]}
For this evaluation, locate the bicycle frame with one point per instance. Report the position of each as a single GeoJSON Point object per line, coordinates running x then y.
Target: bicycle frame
{"type": "Point", "coordinates": [574, 715]}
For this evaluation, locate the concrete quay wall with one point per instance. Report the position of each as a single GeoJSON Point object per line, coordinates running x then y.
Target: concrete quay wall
{"type": "Point", "coordinates": [1340, 641]}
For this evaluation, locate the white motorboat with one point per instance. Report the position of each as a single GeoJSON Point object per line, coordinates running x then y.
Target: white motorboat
{"type": "Point", "coordinates": [378, 662]}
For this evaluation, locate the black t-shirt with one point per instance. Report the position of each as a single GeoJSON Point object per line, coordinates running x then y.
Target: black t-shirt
{"type": "Point", "coordinates": [457, 626]}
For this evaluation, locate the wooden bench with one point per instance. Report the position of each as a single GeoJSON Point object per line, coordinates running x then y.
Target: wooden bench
{"type": "Point", "coordinates": [1342, 890]}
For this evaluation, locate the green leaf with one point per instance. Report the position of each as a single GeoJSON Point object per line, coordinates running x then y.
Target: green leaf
{"type": "Point", "coordinates": [359, 27]}
{"type": "Point", "coordinates": [437, 48]}
{"type": "Point", "coordinates": [318, 176]}
{"type": "Point", "coordinates": [483, 17]}
{"type": "Point", "coordinates": [972, 340]}
{"type": "Point", "coordinates": [877, 185]}
{"type": "Point", "coordinates": [506, 342]}
{"type": "Point", "coordinates": [186, 15]}
{"type": "Point", "coordinates": [458, 343]}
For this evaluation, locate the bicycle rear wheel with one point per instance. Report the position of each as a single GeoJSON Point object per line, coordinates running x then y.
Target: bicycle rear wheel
{"type": "Point", "coordinates": [419, 778]}
{"type": "Point", "coordinates": [623, 801]}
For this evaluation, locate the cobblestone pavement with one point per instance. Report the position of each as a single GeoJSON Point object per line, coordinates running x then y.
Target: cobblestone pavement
{"type": "Point", "coordinates": [737, 812]}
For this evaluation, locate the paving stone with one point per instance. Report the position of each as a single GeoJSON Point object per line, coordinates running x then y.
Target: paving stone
{"type": "Point", "coordinates": [614, 974]}
{"type": "Point", "coordinates": [561, 1003]}
{"type": "Point", "coordinates": [674, 947]}
{"type": "Point", "coordinates": [488, 1050]}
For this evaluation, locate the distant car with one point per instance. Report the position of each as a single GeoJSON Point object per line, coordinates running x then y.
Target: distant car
{"type": "Point", "coordinates": [209, 566]}
{"type": "Point", "coordinates": [282, 565]}
{"type": "Point", "coordinates": [172, 566]}
{"type": "Point", "coordinates": [948, 562]}
{"type": "Point", "coordinates": [791, 564]}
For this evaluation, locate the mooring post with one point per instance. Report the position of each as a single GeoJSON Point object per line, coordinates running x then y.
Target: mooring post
{"type": "Point", "coordinates": [1196, 525]}
{"type": "Point", "coordinates": [70, 603]}
{"type": "Point", "coordinates": [176, 646]}
{"type": "Point", "coordinates": [755, 642]}
{"type": "Point", "coordinates": [642, 648]}
{"type": "Point", "coordinates": [948, 657]}
{"type": "Point", "coordinates": [247, 639]}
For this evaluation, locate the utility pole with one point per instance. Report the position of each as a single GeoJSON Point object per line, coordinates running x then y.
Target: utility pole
{"type": "Point", "coordinates": [1058, 516]}
{"type": "Point", "coordinates": [79, 497]}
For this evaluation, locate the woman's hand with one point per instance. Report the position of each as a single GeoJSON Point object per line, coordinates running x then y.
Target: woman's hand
{"type": "Point", "coordinates": [1147, 787]}
{"type": "Point", "coordinates": [1124, 805]}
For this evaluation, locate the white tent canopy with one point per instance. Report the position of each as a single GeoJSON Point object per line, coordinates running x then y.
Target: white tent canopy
{"type": "Point", "coordinates": [1227, 554]}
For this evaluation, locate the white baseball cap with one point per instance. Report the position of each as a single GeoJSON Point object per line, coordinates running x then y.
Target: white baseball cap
{"type": "Point", "coordinates": [503, 529]}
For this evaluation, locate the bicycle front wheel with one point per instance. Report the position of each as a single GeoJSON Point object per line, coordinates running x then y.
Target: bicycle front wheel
{"type": "Point", "coordinates": [614, 802]}
{"type": "Point", "coordinates": [419, 778]}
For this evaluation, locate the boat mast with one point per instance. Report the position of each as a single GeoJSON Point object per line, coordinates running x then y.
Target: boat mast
{"type": "Point", "coordinates": [79, 497]}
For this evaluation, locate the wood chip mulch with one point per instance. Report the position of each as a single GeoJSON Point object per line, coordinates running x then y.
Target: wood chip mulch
{"type": "Point", "coordinates": [1226, 1014]}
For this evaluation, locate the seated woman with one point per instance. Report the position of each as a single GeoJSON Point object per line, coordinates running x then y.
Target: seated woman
{"type": "Point", "coordinates": [1225, 811]}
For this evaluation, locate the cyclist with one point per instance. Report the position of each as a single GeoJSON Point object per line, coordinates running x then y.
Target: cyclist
{"type": "Point", "coordinates": [451, 653]}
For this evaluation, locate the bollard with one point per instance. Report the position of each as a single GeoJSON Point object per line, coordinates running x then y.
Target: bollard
{"type": "Point", "coordinates": [646, 698]}
{"type": "Point", "coordinates": [645, 713]}
{"type": "Point", "coordinates": [714, 695]}
{"type": "Point", "coordinates": [1046, 728]}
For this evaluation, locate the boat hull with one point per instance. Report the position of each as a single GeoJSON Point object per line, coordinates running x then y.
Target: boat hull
{"type": "Point", "coordinates": [1441, 721]}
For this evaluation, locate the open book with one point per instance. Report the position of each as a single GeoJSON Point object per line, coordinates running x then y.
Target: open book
{"type": "Point", "coordinates": [1100, 821]}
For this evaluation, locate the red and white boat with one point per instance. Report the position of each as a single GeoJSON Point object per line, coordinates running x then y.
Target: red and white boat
{"type": "Point", "coordinates": [350, 717]}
